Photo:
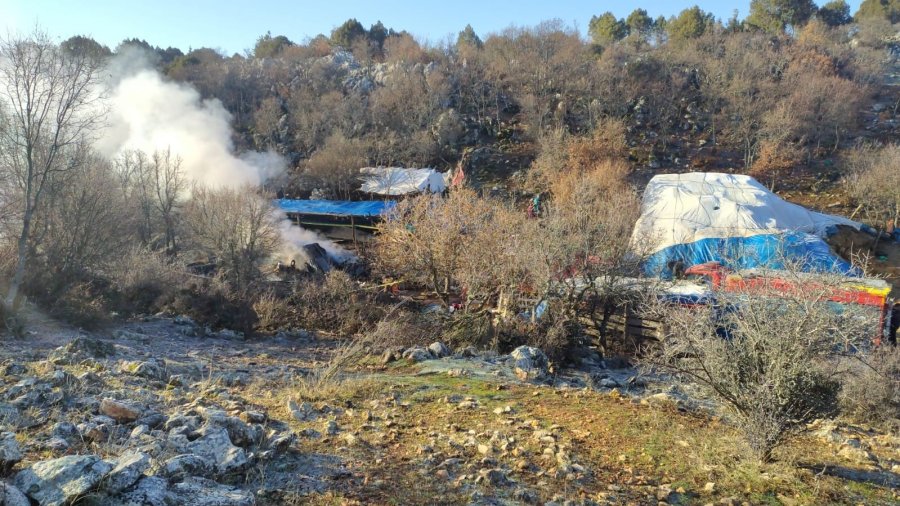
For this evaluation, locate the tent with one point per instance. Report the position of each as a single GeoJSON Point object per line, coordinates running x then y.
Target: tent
{"type": "Point", "coordinates": [701, 217]}
{"type": "Point", "coordinates": [399, 181]}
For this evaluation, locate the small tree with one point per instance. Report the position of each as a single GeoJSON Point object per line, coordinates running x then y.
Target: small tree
{"type": "Point", "coordinates": [689, 24]}
{"type": "Point", "coordinates": [775, 16]}
{"type": "Point", "coordinates": [764, 353]}
{"type": "Point", "coordinates": [835, 13]}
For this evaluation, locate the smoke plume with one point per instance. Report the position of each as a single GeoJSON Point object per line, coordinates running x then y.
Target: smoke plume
{"type": "Point", "coordinates": [149, 113]}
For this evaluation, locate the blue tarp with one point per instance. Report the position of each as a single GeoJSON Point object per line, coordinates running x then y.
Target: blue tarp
{"type": "Point", "coordinates": [766, 250]}
{"type": "Point", "coordinates": [336, 207]}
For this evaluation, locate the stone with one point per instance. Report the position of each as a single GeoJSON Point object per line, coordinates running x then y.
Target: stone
{"type": "Point", "coordinates": [530, 363]}
{"type": "Point", "coordinates": [121, 412]}
{"type": "Point", "coordinates": [14, 369]}
{"type": "Point", "coordinates": [80, 349]}
{"type": "Point", "coordinates": [202, 492]}
{"type": "Point", "coordinates": [439, 350]}
{"type": "Point", "coordinates": [11, 496]}
{"type": "Point", "coordinates": [494, 477]}
{"type": "Point", "coordinates": [331, 428]}
{"type": "Point", "coordinates": [129, 469]}
{"type": "Point", "coordinates": [10, 453]}
{"type": "Point", "coordinates": [303, 412]}
{"type": "Point", "coordinates": [215, 446]}
{"type": "Point", "coordinates": [149, 491]}
{"type": "Point", "coordinates": [417, 354]}
{"type": "Point", "coordinates": [153, 369]}
{"type": "Point", "coordinates": [709, 488]}
{"type": "Point", "coordinates": [182, 466]}
{"type": "Point", "coordinates": [60, 481]}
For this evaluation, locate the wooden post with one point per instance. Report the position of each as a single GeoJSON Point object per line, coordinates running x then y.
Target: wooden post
{"type": "Point", "coordinates": [353, 228]}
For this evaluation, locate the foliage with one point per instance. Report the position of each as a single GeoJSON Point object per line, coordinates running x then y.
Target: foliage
{"type": "Point", "coordinates": [689, 24]}
{"type": "Point", "coordinates": [606, 29]}
{"type": "Point", "coordinates": [835, 13]}
{"type": "Point", "coordinates": [879, 9]}
{"type": "Point", "coordinates": [268, 46]}
{"type": "Point", "coordinates": [774, 16]}
{"type": "Point", "coordinates": [468, 37]}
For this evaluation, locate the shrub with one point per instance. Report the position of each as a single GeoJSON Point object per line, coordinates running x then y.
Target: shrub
{"type": "Point", "coordinates": [871, 388]}
{"type": "Point", "coordinates": [334, 303]}
{"type": "Point", "coordinates": [211, 303]}
{"type": "Point", "coordinates": [143, 280]}
{"type": "Point", "coordinates": [274, 312]}
{"type": "Point", "coordinates": [767, 356]}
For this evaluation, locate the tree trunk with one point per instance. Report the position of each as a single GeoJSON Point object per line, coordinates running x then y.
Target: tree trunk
{"type": "Point", "coordinates": [12, 296]}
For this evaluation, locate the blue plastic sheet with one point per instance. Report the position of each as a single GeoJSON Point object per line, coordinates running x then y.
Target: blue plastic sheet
{"type": "Point", "coordinates": [809, 252]}
{"type": "Point", "coordinates": [336, 207]}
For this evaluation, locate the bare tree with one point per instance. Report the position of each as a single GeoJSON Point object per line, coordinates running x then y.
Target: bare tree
{"type": "Point", "coordinates": [765, 350]}
{"type": "Point", "coordinates": [168, 183]}
{"type": "Point", "coordinates": [235, 227]}
{"type": "Point", "coordinates": [49, 104]}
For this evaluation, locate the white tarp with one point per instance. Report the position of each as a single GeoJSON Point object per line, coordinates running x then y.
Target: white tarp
{"type": "Point", "coordinates": [401, 181]}
{"type": "Point", "coordinates": [700, 217]}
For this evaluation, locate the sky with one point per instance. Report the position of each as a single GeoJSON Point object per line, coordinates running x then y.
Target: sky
{"type": "Point", "coordinates": [233, 26]}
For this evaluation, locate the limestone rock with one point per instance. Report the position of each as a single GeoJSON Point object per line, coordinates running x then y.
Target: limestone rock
{"type": "Point", "coordinates": [59, 481]}
{"type": "Point", "coordinates": [439, 350]}
{"type": "Point", "coordinates": [202, 492]}
{"type": "Point", "coordinates": [215, 446]}
{"type": "Point", "coordinates": [121, 412]}
{"type": "Point", "coordinates": [128, 470]}
{"type": "Point", "coordinates": [11, 496]}
{"type": "Point", "coordinates": [530, 363]}
{"type": "Point", "coordinates": [10, 454]}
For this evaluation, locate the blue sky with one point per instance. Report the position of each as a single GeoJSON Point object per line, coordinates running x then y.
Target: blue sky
{"type": "Point", "coordinates": [233, 26]}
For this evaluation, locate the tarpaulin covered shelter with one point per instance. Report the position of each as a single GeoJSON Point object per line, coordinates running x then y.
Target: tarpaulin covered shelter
{"type": "Point", "coordinates": [396, 181]}
{"type": "Point", "coordinates": [701, 217]}
{"type": "Point", "coordinates": [339, 219]}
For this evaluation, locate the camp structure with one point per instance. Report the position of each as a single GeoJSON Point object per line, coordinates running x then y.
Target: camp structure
{"type": "Point", "coordinates": [337, 219]}
{"type": "Point", "coordinates": [398, 181]}
{"type": "Point", "coordinates": [695, 218]}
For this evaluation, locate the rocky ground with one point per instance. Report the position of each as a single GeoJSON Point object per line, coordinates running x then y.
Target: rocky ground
{"type": "Point", "coordinates": [151, 413]}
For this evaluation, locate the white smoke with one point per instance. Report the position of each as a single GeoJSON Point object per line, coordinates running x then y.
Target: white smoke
{"type": "Point", "coordinates": [150, 113]}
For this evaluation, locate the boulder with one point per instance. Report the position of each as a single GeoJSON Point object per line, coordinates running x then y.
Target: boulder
{"type": "Point", "coordinates": [121, 412]}
{"type": "Point", "coordinates": [202, 492]}
{"type": "Point", "coordinates": [10, 454]}
{"type": "Point", "coordinates": [439, 350]}
{"type": "Point", "coordinates": [60, 481]}
{"type": "Point", "coordinates": [417, 354]}
{"type": "Point", "coordinates": [530, 363]}
{"type": "Point", "coordinates": [215, 446]}
{"type": "Point", "coordinates": [129, 469]}
{"type": "Point", "coordinates": [11, 496]}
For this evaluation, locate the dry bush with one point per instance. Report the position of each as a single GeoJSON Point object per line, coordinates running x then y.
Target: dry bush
{"type": "Point", "coordinates": [211, 303]}
{"type": "Point", "coordinates": [428, 240]}
{"type": "Point", "coordinates": [766, 355]}
{"type": "Point", "coordinates": [873, 181]}
{"type": "Point", "coordinates": [236, 228]}
{"type": "Point", "coordinates": [81, 304]}
{"type": "Point", "coordinates": [561, 153]}
{"type": "Point", "coordinates": [774, 160]}
{"type": "Point", "coordinates": [336, 165]}
{"type": "Point", "coordinates": [143, 280]}
{"type": "Point", "coordinates": [406, 329]}
{"type": "Point", "coordinates": [870, 390]}
{"type": "Point", "coordinates": [334, 303]}
{"type": "Point", "coordinates": [273, 312]}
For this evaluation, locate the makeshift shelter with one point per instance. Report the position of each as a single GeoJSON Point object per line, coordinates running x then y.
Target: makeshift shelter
{"type": "Point", "coordinates": [339, 219]}
{"type": "Point", "coordinates": [689, 219]}
{"type": "Point", "coordinates": [396, 181]}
